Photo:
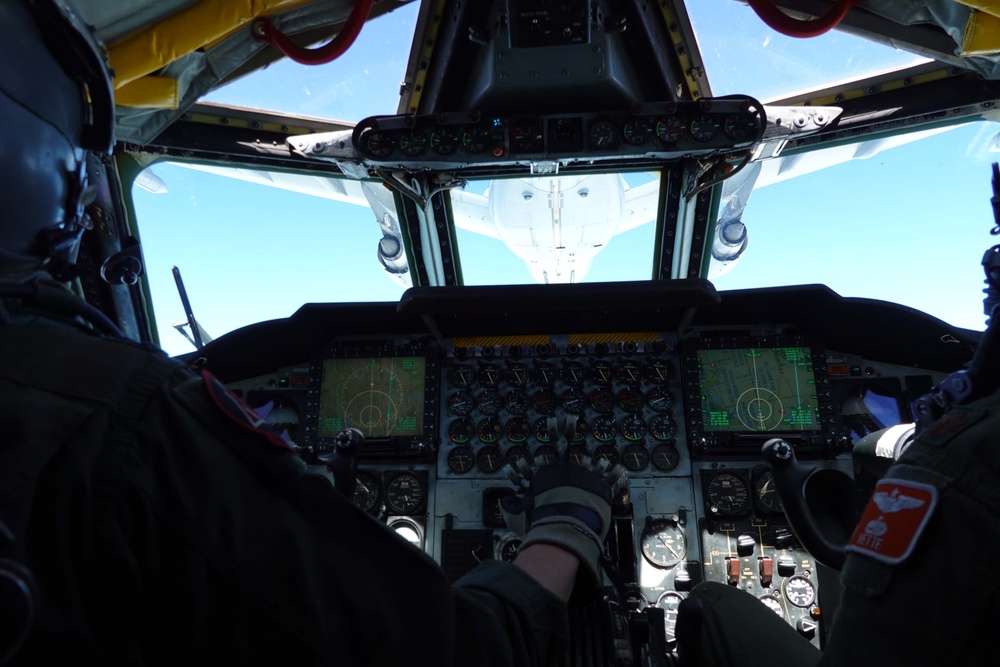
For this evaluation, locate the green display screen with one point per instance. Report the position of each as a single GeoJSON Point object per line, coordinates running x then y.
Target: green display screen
{"type": "Point", "coordinates": [380, 396]}
{"type": "Point", "coordinates": [758, 389]}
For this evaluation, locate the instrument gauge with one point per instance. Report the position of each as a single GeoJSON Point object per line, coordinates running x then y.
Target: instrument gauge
{"type": "Point", "coordinates": [660, 399]}
{"type": "Point", "coordinates": [630, 372]}
{"type": "Point", "coordinates": [460, 430]}
{"type": "Point", "coordinates": [541, 430]}
{"type": "Point", "coordinates": [607, 452]}
{"type": "Point", "coordinates": [508, 546]}
{"type": "Point", "coordinates": [413, 143]}
{"type": "Point", "coordinates": [602, 372]}
{"type": "Point", "coordinates": [526, 136]}
{"type": "Point", "coordinates": [772, 603]}
{"type": "Point", "coordinates": [545, 455]}
{"type": "Point", "coordinates": [663, 543]}
{"type": "Point", "coordinates": [404, 493]}
{"type": "Point", "coordinates": [634, 601]}
{"type": "Point", "coordinates": [582, 429]}
{"type": "Point", "coordinates": [489, 375]}
{"type": "Point", "coordinates": [578, 454]}
{"type": "Point", "coordinates": [460, 459]}
{"type": "Point", "coordinates": [704, 127]}
{"type": "Point", "coordinates": [669, 129]}
{"type": "Point", "coordinates": [741, 126]}
{"type": "Point", "coordinates": [489, 430]}
{"type": "Point", "coordinates": [573, 373]}
{"type": "Point", "coordinates": [489, 459]}
{"type": "Point", "coordinates": [665, 457]}
{"type": "Point", "coordinates": [444, 141]}
{"type": "Point", "coordinates": [516, 429]}
{"type": "Point", "coordinates": [517, 375]}
{"type": "Point", "coordinates": [602, 401]}
{"type": "Point", "coordinates": [461, 403]}
{"type": "Point", "coordinates": [669, 602]}
{"type": "Point", "coordinates": [488, 401]}
{"type": "Point", "coordinates": [631, 399]}
{"type": "Point", "coordinates": [475, 140]}
{"type": "Point", "coordinates": [727, 494]}
{"type": "Point", "coordinates": [545, 401]}
{"type": "Point", "coordinates": [604, 428]}
{"type": "Point", "coordinates": [635, 458]}
{"type": "Point", "coordinates": [765, 493]}
{"type": "Point", "coordinates": [516, 402]}
{"type": "Point", "coordinates": [574, 401]}
{"type": "Point", "coordinates": [603, 135]}
{"type": "Point", "coordinates": [515, 453]}
{"type": "Point", "coordinates": [636, 131]}
{"type": "Point", "coordinates": [366, 491]}
{"type": "Point", "coordinates": [800, 591]}
{"type": "Point", "coordinates": [662, 427]}
{"type": "Point", "coordinates": [378, 144]}
{"type": "Point", "coordinates": [658, 371]}
{"type": "Point", "coordinates": [544, 374]}
{"type": "Point", "coordinates": [461, 376]}
{"type": "Point", "coordinates": [632, 427]}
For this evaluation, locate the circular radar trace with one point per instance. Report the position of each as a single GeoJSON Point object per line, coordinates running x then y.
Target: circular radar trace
{"type": "Point", "coordinates": [760, 409]}
{"type": "Point", "coordinates": [373, 397]}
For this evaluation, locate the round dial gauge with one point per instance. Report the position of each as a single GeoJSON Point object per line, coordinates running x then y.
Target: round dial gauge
{"type": "Point", "coordinates": [461, 459]}
{"type": "Point", "coordinates": [603, 135]}
{"type": "Point", "coordinates": [516, 429]}
{"type": "Point", "coordinates": [461, 403]}
{"type": "Point", "coordinates": [366, 491]}
{"type": "Point", "coordinates": [578, 454]}
{"type": "Point", "coordinates": [573, 373]}
{"type": "Point", "coordinates": [488, 401]}
{"type": "Point", "coordinates": [633, 427]}
{"type": "Point", "coordinates": [630, 372]}
{"type": "Point", "coordinates": [545, 455]}
{"type": "Point", "coordinates": [660, 399]}
{"type": "Point", "coordinates": [461, 376]}
{"type": "Point", "coordinates": [727, 494]}
{"type": "Point", "coordinates": [635, 458]}
{"type": "Point", "coordinates": [607, 452]}
{"type": "Point", "coordinates": [489, 459]}
{"type": "Point", "coordinates": [404, 494]}
{"type": "Point", "coordinates": [444, 141]}
{"type": "Point", "coordinates": [508, 546]}
{"type": "Point", "coordinates": [800, 591]}
{"type": "Point", "coordinates": [489, 375]}
{"type": "Point", "coordinates": [669, 129]}
{"type": "Point", "coordinates": [662, 427]}
{"type": "Point", "coordinates": [541, 430]}
{"type": "Point", "coordinates": [461, 430]}
{"type": "Point", "coordinates": [669, 603]}
{"type": "Point", "coordinates": [704, 127]}
{"type": "Point", "coordinates": [413, 143]}
{"type": "Point", "coordinates": [604, 428]}
{"type": "Point", "coordinates": [515, 453]}
{"type": "Point", "coordinates": [526, 136]}
{"type": "Point", "coordinates": [665, 457]}
{"type": "Point", "coordinates": [602, 401]}
{"type": "Point", "coordinates": [602, 372]}
{"type": "Point", "coordinates": [378, 144]}
{"type": "Point", "coordinates": [517, 375]}
{"type": "Point", "coordinates": [765, 493]}
{"type": "Point", "coordinates": [574, 401]}
{"type": "Point", "coordinates": [773, 603]}
{"type": "Point", "coordinates": [545, 401]}
{"type": "Point", "coordinates": [741, 126]}
{"type": "Point", "coordinates": [475, 140]}
{"type": "Point", "coordinates": [544, 375]}
{"type": "Point", "coordinates": [636, 131]}
{"type": "Point", "coordinates": [489, 430]}
{"type": "Point", "coordinates": [658, 371]}
{"type": "Point", "coordinates": [631, 399]}
{"type": "Point", "coordinates": [516, 402]}
{"type": "Point", "coordinates": [663, 543]}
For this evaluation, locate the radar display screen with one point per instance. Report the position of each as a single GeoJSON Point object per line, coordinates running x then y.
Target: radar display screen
{"type": "Point", "coordinates": [758, 390]}
{"type": "Point", "coordinates": [382, 397]}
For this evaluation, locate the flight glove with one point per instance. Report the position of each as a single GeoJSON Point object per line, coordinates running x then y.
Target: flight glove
{"type": "Point", "coordinates": [569, 507]}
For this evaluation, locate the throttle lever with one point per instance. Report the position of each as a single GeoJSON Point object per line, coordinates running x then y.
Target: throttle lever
{"type": "Point", "coordinates": [790, 478]}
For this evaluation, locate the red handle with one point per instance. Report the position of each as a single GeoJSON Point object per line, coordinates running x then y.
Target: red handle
{"type": "Point", "coordinates": [323, 54]}
{"type": "Point", "coordinates": [786, 25]}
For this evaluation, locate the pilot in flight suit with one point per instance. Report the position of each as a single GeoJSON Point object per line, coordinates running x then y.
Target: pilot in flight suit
{"type": "Point", "coordinates": [161, 524]}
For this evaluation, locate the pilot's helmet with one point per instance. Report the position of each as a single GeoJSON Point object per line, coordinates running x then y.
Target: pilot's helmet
{"type": "Point", "coordinates": [56, 103]}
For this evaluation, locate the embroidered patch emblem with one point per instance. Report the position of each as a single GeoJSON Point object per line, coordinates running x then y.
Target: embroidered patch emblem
{"type": "Point", "coordinates": [894, 520]}
{"type": "Point", "coordinates": [241, 413]}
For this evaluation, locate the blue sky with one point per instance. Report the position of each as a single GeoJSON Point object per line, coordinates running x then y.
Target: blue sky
{"type": "Point", "coordinates": [909, 225]}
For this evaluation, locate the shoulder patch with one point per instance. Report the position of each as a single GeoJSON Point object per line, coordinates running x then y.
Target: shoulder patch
{"type": "Point", "coordinates": [242, 414]}
{"type": "Point", "coordinates": [894, 519]}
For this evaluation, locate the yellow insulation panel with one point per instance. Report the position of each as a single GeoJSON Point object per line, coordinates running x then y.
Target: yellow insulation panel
{"type": "Point", "coordinates": [988, 6]}
{"type": "Point", "coordinates": [149, 92]}
{"type": "Point", "coordinates": [982, 35]}
{"type": "Point", "coordinates": [147, 50]}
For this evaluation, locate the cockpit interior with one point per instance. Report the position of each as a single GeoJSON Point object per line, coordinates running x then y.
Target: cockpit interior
{"type": "Point", "coordinates": [527, 142]}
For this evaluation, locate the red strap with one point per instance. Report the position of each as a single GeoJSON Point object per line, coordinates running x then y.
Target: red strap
{"type": "Point", "coordinates": [323, 54]}
{"type": "Point", "coordinates": [792, 27]}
